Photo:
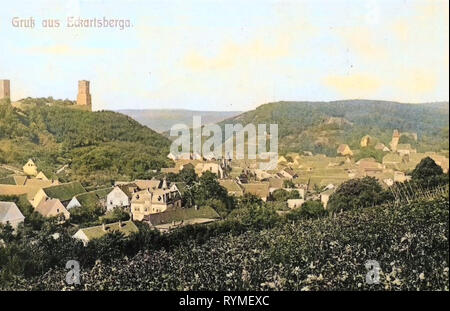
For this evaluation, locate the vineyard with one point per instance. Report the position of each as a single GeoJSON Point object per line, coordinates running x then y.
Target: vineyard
{"type": "Point", "coordinates": [410, 242]}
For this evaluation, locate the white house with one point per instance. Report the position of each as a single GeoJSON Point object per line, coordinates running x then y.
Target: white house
{"type": "Point", "coordinates": [73, 203]}
{"type": "Point", "coordinates": [117, 198]}
{"type": "Point", "coordinates": [10, 213]}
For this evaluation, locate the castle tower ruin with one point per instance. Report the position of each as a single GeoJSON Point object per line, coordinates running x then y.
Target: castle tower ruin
{"type": "Point", "coordinates": [5, 91]}
{"type": "Point", "coordinates": [84, 95]}
{"type": "Point", "coordinates": [395, 140]}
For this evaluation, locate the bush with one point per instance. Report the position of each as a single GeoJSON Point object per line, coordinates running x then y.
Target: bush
{"type": "Point", "coordinates": [357, 193]}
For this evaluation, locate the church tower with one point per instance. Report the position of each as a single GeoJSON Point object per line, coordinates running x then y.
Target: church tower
{"type": "Point", "coordinates": [5, 91]}
{"type": "Point", "coordinates": [84, 95]}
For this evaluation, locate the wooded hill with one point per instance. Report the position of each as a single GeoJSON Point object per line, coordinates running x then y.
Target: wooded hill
{"type": "Point", "coordinates": [321, 126]}
{"type": "Point", "coordinates": [98, 147]}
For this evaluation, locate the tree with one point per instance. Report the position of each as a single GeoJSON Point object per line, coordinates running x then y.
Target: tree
{"type": "Point", "coordinates": [281, 195]}
{"type": "Point", "coordinates": [188, 176]}
{"type": "Point", "coordinates": [428, 174]}
{"type": "Point", "coordinates": [309, 209]}
{"type": "Point", "coordinates": [425, 169]}
{"type": "Point", "coordinates": [357, 193]}
{"type": "Point", "coordinates": [288, 184]}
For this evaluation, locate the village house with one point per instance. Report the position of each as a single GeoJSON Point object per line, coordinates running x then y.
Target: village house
{"type": "Point", "coordinates": [41, 176]}
{"type": "Point", "coordinates": [369, 167]}
{"type": "Point", "coordinates": [172, 219]}
{"type": "Point", "coordinates": [288, 173]}
{"type": "Point", "coordinates": [30, 168]}
{"type": "Point", "coordinates": [52, 208]}
{"type": "Point", "coordinates": [154, 200]}
{"type": "Point", "coordinates": [88, 234]}
{"type": "Point", "coordinates": [405, 149]}
{"type": "Point", "coordinates": [212, 167]}
{"type": "Point", "coordinates": [10, 214]}
{"type": "Point", "coordinates": [382, 147]}
{"type": "Point", "coordinates": [261, 190]}
{"type": "Point", "coordinates": [365, 141]}
{"type": "Point", "coordinates": [232, 187]}
{"type": "Point", "coordinates": [143, 184]}
{"type": "Point", "coordinates": [275, 183]}
{"type": "Point", "coordinates": [92, 198]}
{"type": "Point", "coordinates": [23, 185]}
{"type": "Point", "coordinates": [62, 192]}
{"type": "Point", "coordinates": [261, 174]}
{"type": "Point", "coordinates": [344, 150]}
{"type": "Point", "coordinates": [392, 160]}
{"type": "Point", "coordinates": [120, 197]}
{"type": "Point", "coordinates": [282, 160]}
{"type": "Point", "coordinates": [170, 170]}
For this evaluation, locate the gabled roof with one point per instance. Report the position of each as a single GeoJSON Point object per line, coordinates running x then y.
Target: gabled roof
{"type": "Point", "coordinates": [64, 192]}
{"type": "Point", "coordinates": [380, 146]}
{"type": "Point", "coordinates": [17, 180]}
{"type": "Point", "coordinates": [148, 184]}
{"type": "Point", "coordinates": [181, 214]}
{"type": "Point", "coordinates": [92, 197]}
{"type": "Point", "coordinates": [41, 176]}
{"type": "Point", "coordinates": [258, 189]}
{"type": "Point", "coordinates": [30, 162]}
{"type": "Point", "coordinates": [128, 189]}
{"type": "Point", "coordinates": [125, 227]}
{"type": "Point", "coordinates": [276, 183]}
{"type": "Point", "coordinates": [50, 208]}
{"type": "Point", "coordinates": [9, 211]}
{"type": "Point", "coordinates": [9, 180]}
{"type": "Point", "coordinates": [342, 147]}
{"type": "Point", "coordinates": [20, 180]}
{"type": "Point", "coordinates": [230, 185]}
{"type": "Point", "coordinates": [182, 187]}
{"type": "Point", "coordinates": [290, 171]}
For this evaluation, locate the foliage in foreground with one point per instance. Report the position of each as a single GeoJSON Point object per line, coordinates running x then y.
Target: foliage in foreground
{"type": "Point", "coordinates": [409, 241]}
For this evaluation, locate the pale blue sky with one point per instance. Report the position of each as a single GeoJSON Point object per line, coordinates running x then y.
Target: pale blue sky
{"type": "Point", "coordinates": [230, 55]}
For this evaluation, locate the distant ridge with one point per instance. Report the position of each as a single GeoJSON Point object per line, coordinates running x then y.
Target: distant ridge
{"type": "Point", "coordinates": [161, 120]}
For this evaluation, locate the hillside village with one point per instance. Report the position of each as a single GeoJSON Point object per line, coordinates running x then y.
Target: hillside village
{"type": "Point", "coordinates": [160, 203]}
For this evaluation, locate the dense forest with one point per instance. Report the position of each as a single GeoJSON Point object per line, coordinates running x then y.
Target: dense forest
{"type": "Point", "coordinates": [321, 126]}
{"type": "Point", "coordinates": [98, 147]}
